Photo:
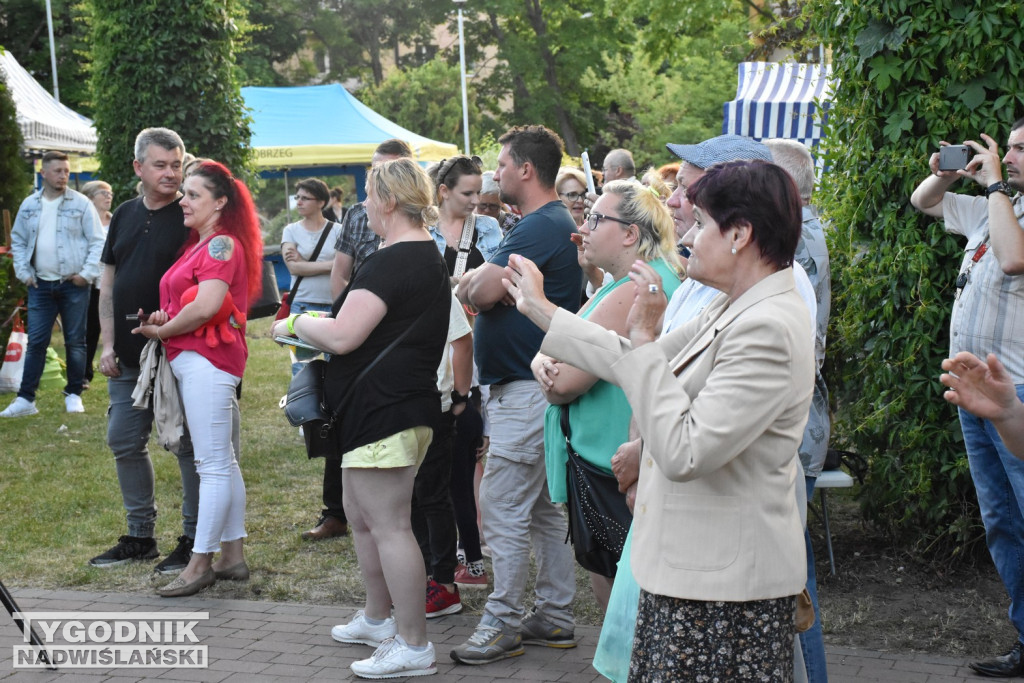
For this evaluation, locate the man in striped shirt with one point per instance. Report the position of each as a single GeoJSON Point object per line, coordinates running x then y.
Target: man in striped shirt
{"type": "Point", "coordinates": [988, 317]}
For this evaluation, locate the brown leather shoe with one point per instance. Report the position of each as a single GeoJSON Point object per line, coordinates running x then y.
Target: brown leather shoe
{"type": "Point", "coordinates": [328, 527]}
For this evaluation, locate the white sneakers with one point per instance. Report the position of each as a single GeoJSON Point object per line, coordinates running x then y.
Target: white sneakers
{"type": "Point", "coordinates": [73, 403]}
{"type": "Point", "coordinates": [360, 631]}
{"type": "Point", "coordinates": [395, 658]}
{"type": "Point", "coordinates": [20, 408]}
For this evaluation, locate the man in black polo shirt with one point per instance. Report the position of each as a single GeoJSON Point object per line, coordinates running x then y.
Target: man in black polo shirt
{"type": "Point", "coordinates": [145, 237]}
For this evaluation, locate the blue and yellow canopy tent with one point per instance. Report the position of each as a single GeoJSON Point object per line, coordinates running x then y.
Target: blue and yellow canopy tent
{"type": "Point", "coordinates": [323, 130]}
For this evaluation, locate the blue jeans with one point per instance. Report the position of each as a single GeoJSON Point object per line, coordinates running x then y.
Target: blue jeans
{"type": "Point", "coordinates": [812, 643]}
{"type": "Point", "coordinates": [128, 430]}
{"type": "Point", "coordinates": [47, 300]}
{"type": "Point", "coordinates": [999, 482]}
{"type": "Point", "coordinates": [305, 355]}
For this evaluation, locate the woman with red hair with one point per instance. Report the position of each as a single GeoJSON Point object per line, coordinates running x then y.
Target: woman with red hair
{"type": "Point", "coordinates": [222, 259]}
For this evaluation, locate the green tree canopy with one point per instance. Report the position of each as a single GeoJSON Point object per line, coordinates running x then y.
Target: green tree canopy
{"type": "Point", "coordinates": [544, 51]}
{"type": "Point", "coordinates": [909, 73]}
{"type": "Point", "coordinates": [428, 100]}
{"type": "Point", "coordinates": [160, 64]}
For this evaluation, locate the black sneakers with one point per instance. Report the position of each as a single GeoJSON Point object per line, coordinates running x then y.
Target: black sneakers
{"type": "Point", "coordinates": [128, 548]}
{"type": "Point", "coordinates": [178, 559]}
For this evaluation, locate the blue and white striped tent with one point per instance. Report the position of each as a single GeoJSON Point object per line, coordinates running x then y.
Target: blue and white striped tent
{"type": "Point", "coordinates": [780, 100]}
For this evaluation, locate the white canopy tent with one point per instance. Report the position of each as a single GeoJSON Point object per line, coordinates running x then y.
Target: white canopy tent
{"type": "Point", "coordinates": [45, 123]}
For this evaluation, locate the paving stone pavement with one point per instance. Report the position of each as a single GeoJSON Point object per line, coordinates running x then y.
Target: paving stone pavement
{"type": "Point", "coordinates": [256, 641]}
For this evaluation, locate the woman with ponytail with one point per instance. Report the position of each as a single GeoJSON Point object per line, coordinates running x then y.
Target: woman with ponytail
{"type": "Point", "coordinates": [628, 223]}
{"type": "Point", "coordinates": [400, 294]}
{"type": "Point", "coordinates": [212, 282]}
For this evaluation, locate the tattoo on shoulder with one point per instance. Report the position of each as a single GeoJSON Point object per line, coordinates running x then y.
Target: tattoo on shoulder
{"type": "Point", "coordinates": [220, 248]}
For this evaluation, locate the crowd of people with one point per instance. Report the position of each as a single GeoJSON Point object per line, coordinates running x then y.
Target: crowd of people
{"type": "Point", "coordinates": [502, 327]}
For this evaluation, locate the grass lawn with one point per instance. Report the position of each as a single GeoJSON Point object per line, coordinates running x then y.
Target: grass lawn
{"type": "Point", "coordinates": [60, 503]}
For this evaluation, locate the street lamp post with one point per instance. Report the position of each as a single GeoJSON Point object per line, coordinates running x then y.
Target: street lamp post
{"type": "Point", "coordinates": [53, 51]}
{"type": "Point", "coordinates": [462, 70]}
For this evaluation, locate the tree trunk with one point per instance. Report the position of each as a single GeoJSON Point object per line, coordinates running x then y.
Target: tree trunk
{"type": "Point", "coordinates": [533, 12]}
{"type": "Point", "coordinates": [520, 92]}
{"type": "Point", "coordinates": [373, 45]}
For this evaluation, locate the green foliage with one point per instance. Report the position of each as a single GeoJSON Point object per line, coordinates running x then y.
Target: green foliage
{"type": "Point", "coordinates": [15, 173]}
{"type": "Point", "coordinates": [160, 64]}
{"type": "Point", "coordinates": [910, 73]}
{"type": "Point", "coordinates": [14, 186]}
{"type": "Point", "coordinates": [650, 107]}
{"type": "Point", "coordinates": [428, 101]}
{"type": "Point", "coordinates": [274, 32]}
{"type": "Point", "coordinates": [544, 51]}
{"type": "Point", "coordinates": [23, 31]}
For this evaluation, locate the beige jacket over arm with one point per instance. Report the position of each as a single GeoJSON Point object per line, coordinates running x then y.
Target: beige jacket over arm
{"type": "Point", "coordinates": [721, 403]}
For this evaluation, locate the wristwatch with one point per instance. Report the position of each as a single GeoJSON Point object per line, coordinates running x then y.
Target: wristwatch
{"type": "Point", "coordinates": [458, 398]}
{"type": "Point", "coordinates": [1001, 186]}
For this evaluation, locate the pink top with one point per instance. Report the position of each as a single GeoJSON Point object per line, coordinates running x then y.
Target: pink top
{"type": "Point", "coordinates": [206, 262]}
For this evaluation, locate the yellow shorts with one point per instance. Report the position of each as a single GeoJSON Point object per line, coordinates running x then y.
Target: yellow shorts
{"type": "Point", "coordinates": [404, 449]}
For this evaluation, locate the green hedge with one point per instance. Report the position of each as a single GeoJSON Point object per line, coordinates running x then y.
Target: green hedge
{"type": "Point", "coordinates": [166, 64]}
{"type": "Point", "coordinates": [911, 73]}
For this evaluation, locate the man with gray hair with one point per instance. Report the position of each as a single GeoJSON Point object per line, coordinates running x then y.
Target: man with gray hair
{"type": "Point", "coordinates": [618, 165]}
{"type": "Point", "coordinates": [146, 235]}
{"type": "Point", "coordinates": [812, 255]}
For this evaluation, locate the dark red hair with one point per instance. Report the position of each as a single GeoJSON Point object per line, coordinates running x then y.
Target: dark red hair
{"type": "Point", "coordinates": [238, 218]}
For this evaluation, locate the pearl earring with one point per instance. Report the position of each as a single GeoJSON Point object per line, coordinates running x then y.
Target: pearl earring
{"type": "Point", "coordinates": [734, 251]}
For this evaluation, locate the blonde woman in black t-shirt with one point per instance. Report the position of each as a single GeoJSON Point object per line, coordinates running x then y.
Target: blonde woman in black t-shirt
{"type": "Point", "coordinates": [384, 430]}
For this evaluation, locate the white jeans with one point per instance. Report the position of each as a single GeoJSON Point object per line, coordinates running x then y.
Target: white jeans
{"type": "Point", "coordinates": [208, 394]}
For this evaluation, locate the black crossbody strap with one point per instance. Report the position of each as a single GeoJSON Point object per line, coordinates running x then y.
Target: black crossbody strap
{"type": "Point", "coordinates": [316, 254]}
{"type": "Point", "coordinates": [388, 349]}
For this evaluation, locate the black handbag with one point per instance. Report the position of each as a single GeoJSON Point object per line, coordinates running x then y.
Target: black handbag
{"type": "Point", "coordinates": [305, 404]}
{"type": "Point", "coordinates": [270, 295]}
{"type": "Point", "coordinates": [599, 518]}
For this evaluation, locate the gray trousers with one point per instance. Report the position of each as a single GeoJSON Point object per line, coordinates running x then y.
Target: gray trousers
{"type": "Point", "coordinates": [128, 431]}
{"type": "Point", "coordinates": [517, 511]}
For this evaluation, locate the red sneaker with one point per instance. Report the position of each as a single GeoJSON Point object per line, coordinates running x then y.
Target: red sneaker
{"type": "Point", "coordinates": [440, 602]}
{"type": "Point", "coordinates": [464, 578]}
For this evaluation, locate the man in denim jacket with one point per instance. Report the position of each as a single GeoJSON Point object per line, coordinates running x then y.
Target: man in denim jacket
{"type": "Point", "coordinates": [56, 243]}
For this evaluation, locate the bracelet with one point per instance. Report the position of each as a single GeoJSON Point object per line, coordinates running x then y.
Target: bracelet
{"type": "Point", "coordinates": [290, 324]}
{"type": "Point", "coordinates": [161, 339]}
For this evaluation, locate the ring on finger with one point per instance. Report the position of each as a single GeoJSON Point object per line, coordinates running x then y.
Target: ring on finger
{"type": "Point", "coordinates": [653, 288]}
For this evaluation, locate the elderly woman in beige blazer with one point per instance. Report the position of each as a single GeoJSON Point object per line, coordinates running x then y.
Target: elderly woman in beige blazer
{"type": "Point", "coordinates": [721, 404]}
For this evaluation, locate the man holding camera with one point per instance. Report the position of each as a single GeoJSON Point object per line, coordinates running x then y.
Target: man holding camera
{"type": "Point", "coordinates": [988, 317]}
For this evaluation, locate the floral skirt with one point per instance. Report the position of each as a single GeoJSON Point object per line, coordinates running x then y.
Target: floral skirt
{"type": "Point", "coordinates": [712, 642]}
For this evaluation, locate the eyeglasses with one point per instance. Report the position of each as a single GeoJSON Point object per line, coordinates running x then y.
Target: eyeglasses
{"type": "Point", "coordinates": [489, 207]}
{"type": "Point", "coordinates": [105, 193]}
{"type": "Point", "coordinates": [573, 196]}
{"type": "Point", "coordinates": [304, 198]}
{"type": "Point", "coordinates": [594, 218]}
